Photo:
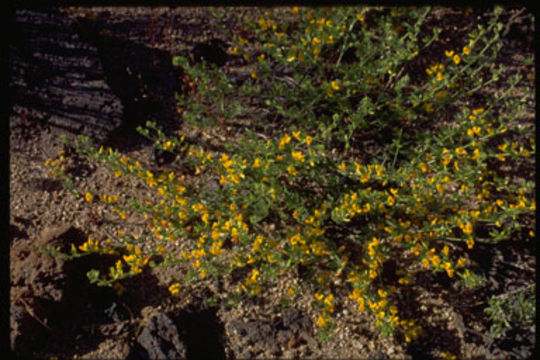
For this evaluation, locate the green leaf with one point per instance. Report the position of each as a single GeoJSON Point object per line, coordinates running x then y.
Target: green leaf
{"type": "Point", "coordinates": [260, 211]}
{"type": "Point", "coordinates": [93, 276]}
{"type": "Point", "coordinates": [401, 83]}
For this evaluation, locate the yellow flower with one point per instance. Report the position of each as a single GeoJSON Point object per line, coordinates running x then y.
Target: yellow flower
{"type": "Point", "coordinates": [361, 304]}
{"type": "Point", "coordinates": [321, 321]}
{"type": "Point", "coordinates": [284, 141]}
{"type": "Point", "coordinates": [290, 292]}
{"type": "Point", "coordinates": [456, 59]}
{"type": "Point", "coordinates": [466, 50]}
{"type": "Point", "coordinates": [361, 17]}
{"type": "Point", "coordinates": [328, 300]}
{"type": "Point", "coordinates": [295, 10]}
{"type": "Point", "coordinates": [262, 24]}
{"type": "Point", "coordinates": [167, 145]}
{"type": "Point", "coordinates": [316, 40]}
{"type": "Point", "coordinates": [256, 163]}
{"type": "Point", "coordinates": [204, 218]}
{"type": "Point", "coordinates": [254, 74]}
{"type": "Point", "coordinates": [470, 243]}
{"type": "Point", "coordinates": [335, 85]}
{"type": "Point", "coordinates": [467, 228]}
{"type": "Point", "coordinates": [390, 201]}
{"type": "Point", "coordinates": [254, 274]}
{"type": "Point", "coordinates": [478, 111]}
{"type": "Point", "coordinates": [440, 76]}
{"type": "Point", "coordinates": [449, 53]}
{"type": "Point", "coordinates": [291, 170]}
{"type": "Point", "coordinates": [404, 281]}
{"type": "Point", "coordinates": [342, 166]}
{"type": "Point", "coordinates": [297, 155]}
{"type": "Point", "coordinates": [88, 197]}
{"type": "Point", "coordinates": [174, 288]}
{"type": "Point", "coordinates": [445, 250]}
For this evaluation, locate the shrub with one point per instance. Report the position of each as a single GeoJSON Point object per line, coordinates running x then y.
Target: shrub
{"type": "Point", "coordinates": [308, 196]}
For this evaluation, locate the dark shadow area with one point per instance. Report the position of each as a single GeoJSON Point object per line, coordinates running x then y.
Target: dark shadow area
{"type": "Point", "coordinates": [49, 185]}
{"type": "Point", "coordinates": [211, 52]}
{"type": "Point", "coordinates": [143, 78]}
{"type": "Point", "coordinates": [204, 333]}
{"type": "Point", "coordinates": [54, 307]}
{"type": "Point", "coordinates": [56, 79]}
{"type": "Point", "coordinates": [436, 336]}
{"type": "Point", "coordinates": [267, 337]}
{"type": "Point", "coordinates": [504, 266]}
{"type": "Point", "coordinates": [194, 332]}
{"type": "Point", "coordinates": [74, 77]}
{"type": "Point", "coordinates": [16, 232]}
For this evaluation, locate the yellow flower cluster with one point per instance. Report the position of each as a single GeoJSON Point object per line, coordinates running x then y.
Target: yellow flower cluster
{"type": "Point", "coordinates": [467, 227]}
{"type": "Point", "coordinates": [135, 259]}
{"type": "Point", "coordinates": [410, 330]}
{"type": "Point", "coordinates": [174, 288]}
{"type": "Point", "coordinates": [265, 23]}
{"type": "Point", "coordinates": [233, 170]}
{"type": "Point", "coordinates": [108, 198]}
{"type": "Point", "coordinates": [58, 165]}
{"type": "Point", "coordinates": [93, 246]}
{"type": "Point", "coordinates": [252, 282]}
{"type": "Point", "coordinates": [448, 356]}
{"type": "Point", "coordinates": [89, 245]}
{"type": "Point", "coordinates": [327, 304]}
{"type": "Point", "coordinates": [435, 69]}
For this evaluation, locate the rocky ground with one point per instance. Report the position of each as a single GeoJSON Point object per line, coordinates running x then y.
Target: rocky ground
{"type": "Point", "coordinates": [101, 72]}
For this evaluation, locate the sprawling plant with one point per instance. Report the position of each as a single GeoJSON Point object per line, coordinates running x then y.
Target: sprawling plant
{"type": "Point", "coordinates": [298, 191]}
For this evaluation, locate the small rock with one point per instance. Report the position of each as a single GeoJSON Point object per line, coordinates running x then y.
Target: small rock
{"type": "Point", "coordinates": [51, 233]}
{"type": "Point", "coordinates": [161, 340]}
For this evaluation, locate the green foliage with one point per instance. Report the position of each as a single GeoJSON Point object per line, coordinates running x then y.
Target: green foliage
{"type": "Point", "coordinates": [310, 197]}
{"type": "Point", "coordinates": [515, 309]}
